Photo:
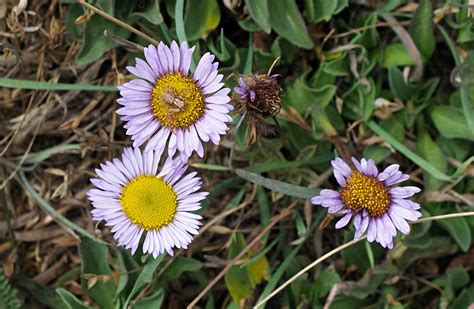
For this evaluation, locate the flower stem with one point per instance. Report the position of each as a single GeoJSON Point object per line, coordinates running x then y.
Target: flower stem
{"type": "Point", "coordinates": [336, 140]}
{"type": "Point", "coordinates": [349, 244]}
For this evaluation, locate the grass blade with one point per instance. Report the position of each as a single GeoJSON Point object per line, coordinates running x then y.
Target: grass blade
{"type": "Point", "coordinates": [278, 186]}
{"type": "Point", "coordinates": [36, 85]}
{"type": "Point", "coordinates": [278, 273]}
{"type": "Point", "coordinates": [407, 152]}
{"type": "Point", "coordinates": [53, 212]}
{"type": "Point", "coordinates": [248, 61]}
{"type": "Point", "coordinates": [466, 102]}
{"type": "Point", "coordinates": [277, 165]}
{"type": "Point", "coordinates": [42, 155]}
{"type": "Point", "coordinates": [211, 167]}
{"type": "Point", "coordinates": [179, 20]}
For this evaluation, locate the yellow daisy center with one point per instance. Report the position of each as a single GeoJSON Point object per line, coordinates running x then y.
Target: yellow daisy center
{"type": "Point", "coordinates": [177, 101]}
{"type": "Point", "coordinates": [365, 192]}
{"type": "Point", "coordinates": [149, 202]}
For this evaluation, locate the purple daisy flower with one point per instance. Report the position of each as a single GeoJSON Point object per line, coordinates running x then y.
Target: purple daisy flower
{"type": "Point", "coordinates": [366, 195]}
{"type": "Point", "coordinates": [136, 198]}
{"type": "Point", "coordinates": [170, 106]}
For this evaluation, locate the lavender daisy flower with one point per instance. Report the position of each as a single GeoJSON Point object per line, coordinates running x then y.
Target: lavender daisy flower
{"type": "Point", "coordinates": [366, 195]}
{"type": "Point", "coordinates": [136, 198]}
{"type": "Point", "coordinates": [170, 106]}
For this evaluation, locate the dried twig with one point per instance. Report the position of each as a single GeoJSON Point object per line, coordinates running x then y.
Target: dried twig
{"type": "Point", "coordinates": [285, 212]}
{"type": "Point", "coordinates": [118, 22]}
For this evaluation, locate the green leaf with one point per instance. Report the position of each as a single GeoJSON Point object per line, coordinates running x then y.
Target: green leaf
{"type": "Point", "coordinates": [428, 150]}
{"type": "Point", "coordinates": [326, 280]}
{"type": "Point", "coordinates": [376, 152]}
{"type": "Point", "coordinates": [341, 5]}
{"type": "Point", "coordinates": [336, 65]}
{"type": "Point", "coordinates": [450, 122]}
{"type": "Point", "coordinates": [398, 86]}
{"type": "Point", "coordinates": [394, 126]}
{"type": "Point", "coordinates": [422, 242]}
{"type": "Point", "coordinates": [71, 301]}
{"type": "Point", "coordinates": [390, 5]}
{"type": "Point", "coordinates": [94, 43]}
{"type": "Point", "coordinates": [345, 302]}
{"type": "Point", "coordinates": [94, 260]}
{"type": "Point", "coordinates": [237, 279]}
{"type": "Point", "coordinates": [407, 152]}
{"type": "Point", "coordinates": [396, 54]}
{"type": "Point", "coordinates": [145, 277]}
{"type": "Point", "coordinates": [459, 231]}
{"type": "Point", "coordinates": [261, 253]}
{"type": "Point", "coordinates": [462, 168]}
{"type": "Point", "coordinates": [8, 294]}
{"type": "Point", "coordinates": [454, 147]}
{"type": "Point", "coordinates": [368, 99]}
{"type": "Point", "coordinates": [278, 186]}
{"type": "Point", "coordinates": [129, 272]}
{"type": "Point", "coordinates": [151, 13]}
{"type": "Point", "coordinates": [223, 48]}
{"type": "Point", "coordinates": [463, 300]}
{"type": "Point", "coordinates": [438, 246]}
{"type": "Point", "coordinates": [258, 10]}
{"type": "Point", "coordinates": [463, 73]}
{"type": "Point", "coordinates": [421, 29]}
{"type": "Point", "coordinates": [179, 265]}
{"type": "Point", "coordinates": [356, 256]}
{"type": "Point", "coordinates": [319, 10]}
{"type": "Point", "coordinates": [371, 281]}
{"type": "Point", "coordinates": [36, 85]}
{"type": "Point", "coordinates": [287, 21]}
{"type": "Point", "coordinates": [151, 302]}
{"type": "Point", "coordinates": [419, 235]}
{"type": "Point", "coordinates": [258, 271]}
{"type": "Point", "coordinates": [467, 106]}
{"type": "Point", "coordinates": [43, 294]}
{"type": "Point", "coordinates": [302, 97]}
{"type": "Point", "coordinates": [73, 12]}
{"type": "Point", "coordinates": [369, 36]}
{"type": "Point", "coordinates": [457, 278]}
{"type": "Point", "coordinates": [249, 25]}
{"type": "Point", "coordinates": [201, 17]}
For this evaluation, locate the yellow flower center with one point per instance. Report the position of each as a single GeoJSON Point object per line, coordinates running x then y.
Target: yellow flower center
{"type": "Point", "coordinates": [364, 192]}
{"type": "Point", "coordinates": [177, 101]}
{"type": "Point", "coordinates": [149, 202]}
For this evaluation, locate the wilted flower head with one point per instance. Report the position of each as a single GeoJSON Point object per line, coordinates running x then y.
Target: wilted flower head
{"type": "Point", "coordinates": [366, 195]}
{"type": "Point", "coordinates": [134, 197]}
{"type": "Point", "coordinates": [171, 107]}
{"type": "Point", "coordinates": [258, 98]}
{"type": "Point", "coordinates": [260, 93]}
